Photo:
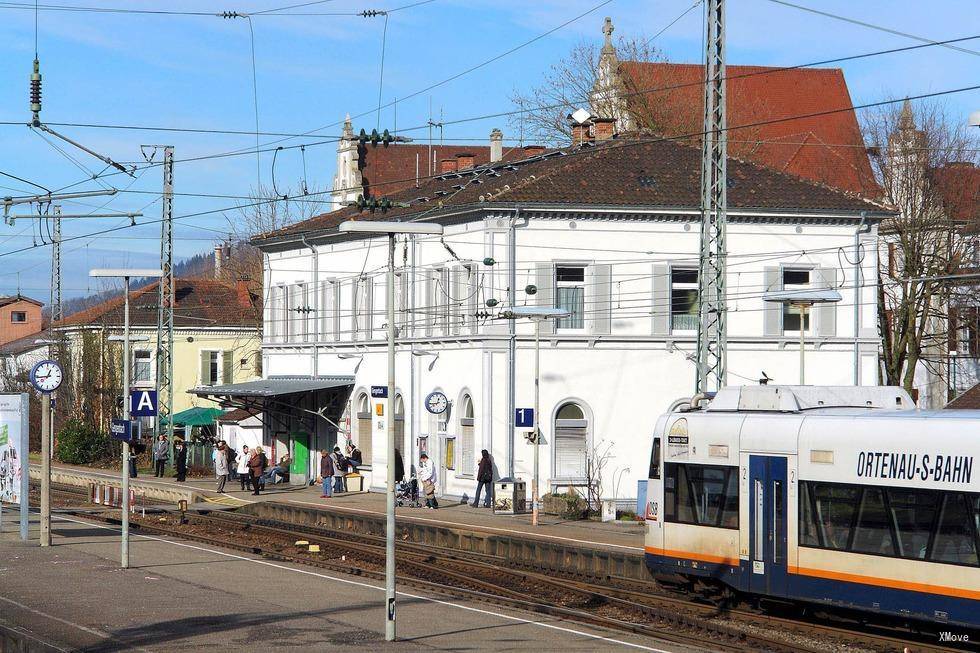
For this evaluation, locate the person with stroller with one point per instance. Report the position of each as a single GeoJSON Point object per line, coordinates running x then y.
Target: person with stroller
{"type": "Point", "coordinates": [484, 480]}
{"type": "Point", "coordinates": [428, 479]}
{"type": "Point", "coordinates": [243, 469]}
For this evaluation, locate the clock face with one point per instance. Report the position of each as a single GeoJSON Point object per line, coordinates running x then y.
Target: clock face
{"type": "Point", "coordinates": [46, 376]}
{"type": "Point", "coordinates": [436, 403]}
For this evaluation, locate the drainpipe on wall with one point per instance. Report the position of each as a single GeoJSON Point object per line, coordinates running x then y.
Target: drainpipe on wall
{"type": "Point", "coordinates": [314, 295]}
{"type": "Point", "coordinates": [511, 340]}
{"type": "Point", "coordinates": [412, 404]}
{"type": "Point", "coordinates": [863, 227]}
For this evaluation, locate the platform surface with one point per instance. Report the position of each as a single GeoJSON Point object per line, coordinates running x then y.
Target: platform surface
{"type": "Point", "coordinates": [625, 537]}
{"type": "Point", "coordinates": [181, 596]}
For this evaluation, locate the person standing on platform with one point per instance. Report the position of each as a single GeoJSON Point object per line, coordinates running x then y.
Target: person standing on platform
{"type": "Point", "coordinates": [180, 460]}
{"type": "Point", "coordinates": [221, 465]}
{"type": "Point", "coordinates": [484, 480]}
{"type": "Point", "coordinates": [161, 452]}
{"type": "Point", "coordinates": [399, 467]}
{"type": "Point", "coordinates": [339, 469]}
{"type": "Point", "coordinates": [256, 465]}
{"type": "Point", "coordinates": [427, 476]}
{"type": "Point", "coordinates": [326, 474]}
{"type": "Point", "coordinates": [243, 469]}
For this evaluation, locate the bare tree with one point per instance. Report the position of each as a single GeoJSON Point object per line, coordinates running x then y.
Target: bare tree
{"type": "Point", "coordinates": [916, 148]}
{"type": "Point", "coordinates": [573, 82]}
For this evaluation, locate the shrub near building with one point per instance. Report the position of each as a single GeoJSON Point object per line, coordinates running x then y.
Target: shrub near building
{"type": "Point", "coordinates": [80, 444]}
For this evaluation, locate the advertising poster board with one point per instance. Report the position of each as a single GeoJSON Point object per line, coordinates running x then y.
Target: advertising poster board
{"type": "Point", "coordinates": [14, 466]}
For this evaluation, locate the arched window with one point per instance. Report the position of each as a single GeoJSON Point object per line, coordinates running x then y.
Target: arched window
{"type": "Point", "coordinates": [467, 444]}
{"type": "Point", "coordinates": [364, 437]}
{"type": "Point", "coordinates": [399, 423]}
{"type": "Point", "coordinates": [571, 443]}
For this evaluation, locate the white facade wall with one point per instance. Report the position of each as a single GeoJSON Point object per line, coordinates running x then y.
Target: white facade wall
{"type": "Point", "coordinates": [623, 368]}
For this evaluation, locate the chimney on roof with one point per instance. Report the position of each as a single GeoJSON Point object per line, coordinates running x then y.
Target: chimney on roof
{"type": "Point", "coordinates": [533, 150]}
{"type": "Point", "coordinates": [241, 289]}
{"type": "Point", "coordinates": [219, 250]}
{"type": "Point", "coordinates": [447, 165]}
{"type": "Point", "coordinates": [604, 128]}
{"type": "Point", "coordinates": [464, 161]}
{"type": "Point", "coordinates": [496, 145]}
{"type": "Point", "coordinates": [581, 123]}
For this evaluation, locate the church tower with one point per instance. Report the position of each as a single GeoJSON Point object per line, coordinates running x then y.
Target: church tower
{"type": "Point", "coordinates": [347, 182]}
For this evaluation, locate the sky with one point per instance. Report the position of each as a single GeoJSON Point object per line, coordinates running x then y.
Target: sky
{"type": "Point", "coordinates": [165, 70]}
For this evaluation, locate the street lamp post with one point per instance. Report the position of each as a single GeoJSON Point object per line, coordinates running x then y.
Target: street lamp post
{"type": "Point", "coordinates": [391, 229]}
{"type": "Point", "coordinates": [803, 301]}
{"type": "Point", "coordinates": [126, 275]}
{"type": "Point", "coordinates": [536, 314]}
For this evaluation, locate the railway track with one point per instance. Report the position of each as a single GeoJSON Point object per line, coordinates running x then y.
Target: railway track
{"type": "Point", "coordinates": [617, 604]}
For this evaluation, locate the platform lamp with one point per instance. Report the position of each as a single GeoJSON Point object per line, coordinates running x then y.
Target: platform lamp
{"type": "Point", "coordinates": [391, 229]}
{"type": "Point", "coordinates": [126, 275]}
{"type": "Point", "coordinates": [537, 314]}
{"type": "Point", "coordinates": [802, 300]}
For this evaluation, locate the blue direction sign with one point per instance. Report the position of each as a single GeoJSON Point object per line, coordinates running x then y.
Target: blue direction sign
{"type": "Point", "coordinates": [523, 418]}
{"type": "Point", "coordinates": [121, 429]}
{"type": "Point", "coordinates": [379, 391]}
{"type": "Point", "coordinates": [143, 403]}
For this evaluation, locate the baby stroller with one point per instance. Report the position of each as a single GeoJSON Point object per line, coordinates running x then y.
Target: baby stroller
{"type": "Point", "coordinates": [407, 493]}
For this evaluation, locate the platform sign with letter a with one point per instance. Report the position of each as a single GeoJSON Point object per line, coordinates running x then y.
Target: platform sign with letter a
{"type": "Point", "coordinates": [143, 403]}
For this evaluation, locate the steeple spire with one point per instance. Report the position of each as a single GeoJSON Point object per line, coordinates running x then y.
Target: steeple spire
{"type": "Point", "coordinates": [906, 121]}
{"type": "Point", "coordinates": [607, 30]}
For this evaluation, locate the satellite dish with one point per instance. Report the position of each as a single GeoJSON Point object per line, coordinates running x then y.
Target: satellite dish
{"type": "Point", "coordinates": [580, 116]}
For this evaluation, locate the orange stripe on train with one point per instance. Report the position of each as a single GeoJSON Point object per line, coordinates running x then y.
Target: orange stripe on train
{"type": "Point", "coordinates": [887, 582]}
{"type": "Point", "coordinates": [700, 557]}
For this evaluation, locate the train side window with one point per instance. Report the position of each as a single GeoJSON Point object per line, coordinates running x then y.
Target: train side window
{"type": "Point", "coordinates": [836, 507]}
{"type": "Point", "coordinates": [874, 533]}
{"type": "Point", "coordinates": [778, 520]}
{"type": "Point", "coordinates": [705, 495]}
{"type": "Point", "coordinates": [914, 513]}
{"type": "Point", "coordinates": [956, 537]}
{"type": "Point", "coordinates": [809, 535]}
{"type": "Point", "coordinates": [655, 459]}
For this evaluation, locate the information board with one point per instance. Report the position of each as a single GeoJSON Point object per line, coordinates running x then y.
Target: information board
{"type": "Point", "coordinates": [14, 411]}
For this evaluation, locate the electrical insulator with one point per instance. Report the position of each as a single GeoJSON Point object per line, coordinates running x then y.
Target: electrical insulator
{"type": "Point", "coordinates": [489, 261]}
{"type": "Point", "coordinates": [36, 92]}
{"type": "Point", "coordinates": [362, 137]}
{"type": "Point", "coordinates": [386, 138]}
{"type": "Point", "coordinates": [492, 302]}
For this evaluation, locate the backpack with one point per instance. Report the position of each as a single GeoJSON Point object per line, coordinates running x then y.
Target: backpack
{"type": "Point", "coordinates": [342, 463]}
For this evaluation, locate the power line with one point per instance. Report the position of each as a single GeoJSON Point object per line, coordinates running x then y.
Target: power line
{"type": "Point", "coordinates": [879, 28]}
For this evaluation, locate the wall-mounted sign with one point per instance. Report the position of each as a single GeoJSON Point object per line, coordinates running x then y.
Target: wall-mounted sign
{"type": "Point", "coordinates": [143, 403]}
{"type": "Point", "coordinates": [121, 429]}
{"type": "Point", "coordinates": [523, 418]}
{"type": "Point", "coordinates": [379, 391]}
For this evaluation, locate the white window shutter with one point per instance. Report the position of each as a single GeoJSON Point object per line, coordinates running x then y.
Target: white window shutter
{"type": "Point", "coordinates": [826, 313]}
{"type": "Point", "coordinates": [205, 367]}
{"type": "Point", "coordinates": [772, 312]}
{"type": "Point", "coordinates": [429, 310]}
{"type": "Point", "coordinates": [472, 297]}
{"type": "Point", "coordinates": [545, 297]}
{"type": "Point", "coordinates": [598, 302]}
{"type": "Point", "coordinates": [355, 308]}
{"type": "Point", "coordinates": [661, 299]}
{"type": "Point", "coordinates": [570, 452]}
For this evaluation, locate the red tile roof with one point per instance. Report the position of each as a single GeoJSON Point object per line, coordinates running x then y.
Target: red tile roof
{"type": "Point", "coordinates": [13, 299]}
{"type": "Point", "coordinates": [199, 303]}
{"type": "Point", "coordinates": [387, 170]}
{"type": "Point", "coordinates": [966, 401]}
{"type": "Point", "coordinates": [959, 186]}
{"type": "Point", "coordinates": [826, 148]}
{"type": "Point", "coordinates": [650, 173]}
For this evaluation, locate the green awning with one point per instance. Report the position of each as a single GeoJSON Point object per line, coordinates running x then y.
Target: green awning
{"type": "Point", "coordinates": [196, 416]}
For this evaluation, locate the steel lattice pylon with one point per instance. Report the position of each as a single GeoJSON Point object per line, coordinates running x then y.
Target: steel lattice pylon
{"type": "Point", "coordinates": [712, 326]}
{"type": "Point", "coordinates": [165, 305]}
{"type": "Point", "coordinates": [56, 312]}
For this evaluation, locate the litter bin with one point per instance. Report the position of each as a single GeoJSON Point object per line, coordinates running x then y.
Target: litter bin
{"type": "Point", "coordinates": [509, 497]}
{"type": "Point", "coordinates": [354, 482]}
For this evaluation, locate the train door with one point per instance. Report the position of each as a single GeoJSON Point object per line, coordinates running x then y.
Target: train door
{"type": "Point", "coordinates": [767, 523]}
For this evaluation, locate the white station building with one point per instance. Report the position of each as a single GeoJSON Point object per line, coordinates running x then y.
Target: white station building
{"type": "Point", "coordinates": [608, 231]}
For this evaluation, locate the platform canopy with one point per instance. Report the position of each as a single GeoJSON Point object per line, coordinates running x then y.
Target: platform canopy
{"type": "Point", "coordinates": [196, 416]}
{"type": "Point", "coordinates": [304, 397]}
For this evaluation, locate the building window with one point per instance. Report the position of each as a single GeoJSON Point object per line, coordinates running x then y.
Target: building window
{"type": "Point", "coordinates": [571, 443]}
{"type": "Point", "coordinates": [683, 299]}
{"type": "Point", "coordinates": [570, 295]}
{"type": "Point", "coordinates": [217, 367]}
{"type": "Point", "coordinates": [365, 438]}
{"type": "Point", "coordinates": [795, 279]}
{"type": "Point", "coordinates": [18, 316]}
{"type": "Point", "coordinates": [142, 361]}
{"type": "Point", "coordinates": [467, 438]}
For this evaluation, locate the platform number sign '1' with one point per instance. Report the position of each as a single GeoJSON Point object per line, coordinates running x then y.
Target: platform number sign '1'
{"type": "Point", "coordinates": [524, 417]}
